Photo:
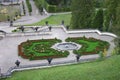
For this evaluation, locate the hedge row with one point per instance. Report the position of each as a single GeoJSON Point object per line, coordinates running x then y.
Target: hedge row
{"type": "Point", "coordinates": [54, 8]}
{"type": "Point", "coordinates": [29, 6]}
{"type": "Point", "coordinates": [50, 8]}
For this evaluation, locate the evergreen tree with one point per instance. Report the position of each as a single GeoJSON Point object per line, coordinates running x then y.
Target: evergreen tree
{"type": "Point", "coordinates": [116, 27]}
{"type": "Point", "coordinates": [111, 14]}
{"type": "Point", "coordinates": [98, 20]}
{"type": "Point", "coordinates": [54, 2]}
{"type": "Point", "coordinates": [82, 11]}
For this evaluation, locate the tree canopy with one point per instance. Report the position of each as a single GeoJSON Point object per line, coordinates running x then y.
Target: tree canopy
{"type": "Point", "coordinates": [82, 11]}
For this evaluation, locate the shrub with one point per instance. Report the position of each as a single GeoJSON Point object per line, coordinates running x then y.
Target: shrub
{"type": "Point", "coordinates": [51, 8]}
{"type": "Point", "coordinates": [29, 6]}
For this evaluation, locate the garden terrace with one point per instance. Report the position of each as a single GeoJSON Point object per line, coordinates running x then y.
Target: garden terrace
{"type": "Point", "coordinates": [40, 49]}
{"type": "Point", "coordinates": [89, 45]}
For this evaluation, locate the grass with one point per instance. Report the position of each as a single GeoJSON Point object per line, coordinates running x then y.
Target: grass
{"type": "Point", "coordinates": [54, 20]}
{"type": "Point", "coordinates": [108, 69]}
{"type": "Point", "coordinates": [89, 45]}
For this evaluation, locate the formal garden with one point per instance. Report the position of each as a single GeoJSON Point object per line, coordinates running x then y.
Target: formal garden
{"type": "Point", "coordinates": [42, 49]}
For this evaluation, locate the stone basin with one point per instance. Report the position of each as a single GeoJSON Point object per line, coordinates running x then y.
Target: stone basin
{"type": "Point", "coordinates": [66, 46]}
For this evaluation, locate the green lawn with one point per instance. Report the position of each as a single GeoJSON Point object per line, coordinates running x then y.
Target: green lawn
{"type": "Point", "coordinates": [108, 69]}
{"type": "Point", "coordinates": [89, 45]}
{"type": "Point", "coordinates": [54, 20]}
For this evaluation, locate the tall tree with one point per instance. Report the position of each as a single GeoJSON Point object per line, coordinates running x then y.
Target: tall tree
{"type": "Point", "coordinates": [111, 13]}
{"type": "Point", "coordinates": [116, 27]}
{"type": "Point", "coordinates": [81, 13]}
{"type": "Point", "coordinates": [98, 20]}
{"type": "Point", "coordinates": [54, 2]}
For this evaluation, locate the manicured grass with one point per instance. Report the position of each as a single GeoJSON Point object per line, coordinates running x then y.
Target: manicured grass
{"type": "Point", "coordinates": [54, 20]}
{"type": "Point", "coordinates": [108, 69]}
{"type": "Point", "coordinates": [40, 49]}
{"type": "Point", "coordinates": [89, 45]}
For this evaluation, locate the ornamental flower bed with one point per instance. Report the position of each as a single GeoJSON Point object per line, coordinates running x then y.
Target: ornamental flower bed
{"type": "Point", "coordinates": [40, 49]}
{"type": "Point", "coordinates": [89, 45]}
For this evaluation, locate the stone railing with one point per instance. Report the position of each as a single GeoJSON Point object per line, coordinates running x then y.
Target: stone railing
{"type": "Point", "coordinates": [26, 34]}
{"type": "Point", "coordinates": [88, 31]}
{"type": "Point", "coordinates": [43, 65]}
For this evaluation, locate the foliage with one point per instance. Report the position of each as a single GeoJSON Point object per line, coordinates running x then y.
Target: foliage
{"type": "Point", "coordinates": [54, 2]}
{"type": "Point", "coordinates": [82, 11]}
{"type": "Point", "coordinates": [98, 20]}
{"type": "Point", "coordinates": [51, 8]}
{"type": "Point", "coordinates": [101, 55]}
{"type": "Point", "coordinates": [108, 69]}
{"type": "Point", "coordinates": [105, 52]}
{"type": "Point", "coordinates": [116, 28]}
{"type": "Point", "coordinates": [89, 45]}
{"type": "Point", "coordinates": [52, 5]}
{"type": "Point", "coordinates": [113, 19]}
{"type": "Point", "coordinates": [98, 3]}
{"type": "Point", "coordinates": [40, 4]}
{"type": "Point", "coordinates": [29, 6]}
{"type": "Point", "coordinates": [111, 13]}
{"type": "Point", "coordinates": [117, 43]}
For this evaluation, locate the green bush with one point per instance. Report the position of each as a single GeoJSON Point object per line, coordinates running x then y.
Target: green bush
{"type": "Point", "coordinates": [51, 8]}
{"type": "Point", "coordinates": [29, 6]}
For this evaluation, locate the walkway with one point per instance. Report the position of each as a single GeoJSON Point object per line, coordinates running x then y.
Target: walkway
{"type": "Point", "coordinates": [9, 51]}
{"type": "Point", "coordinates": [24, 20]}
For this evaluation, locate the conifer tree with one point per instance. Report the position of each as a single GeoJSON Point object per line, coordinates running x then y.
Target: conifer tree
{"type": "Point", "coordinates": [98, 20]}
{"type": "Point", "coordinates": [82, 11]}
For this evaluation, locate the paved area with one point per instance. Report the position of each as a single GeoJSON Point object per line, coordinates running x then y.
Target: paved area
{"type": "Point", "coordinates": [9, 51]}
{"type": "Point", "coordinates": [27, 19]}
